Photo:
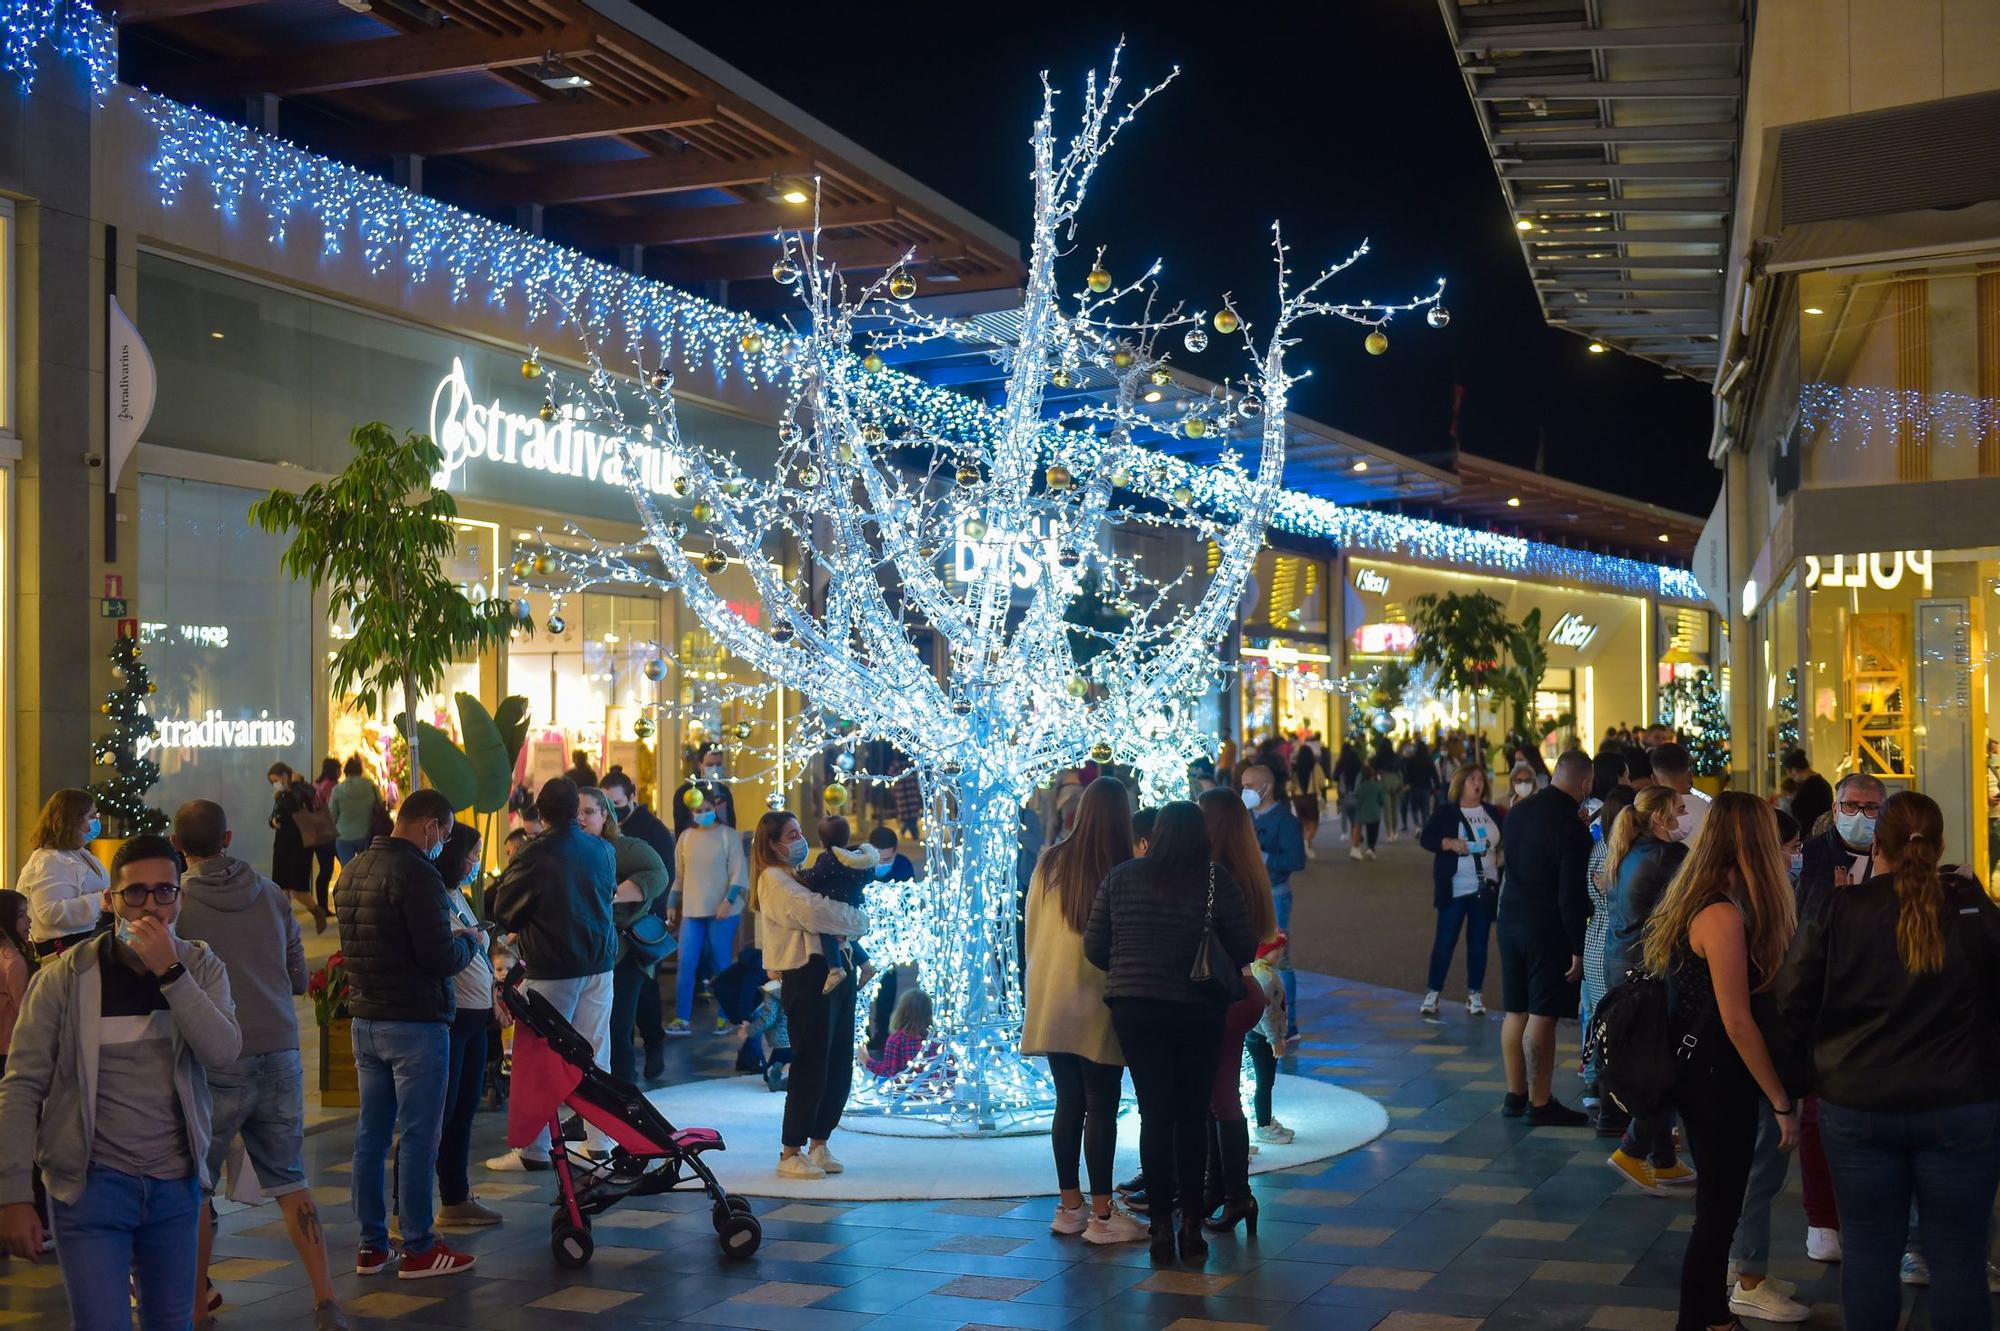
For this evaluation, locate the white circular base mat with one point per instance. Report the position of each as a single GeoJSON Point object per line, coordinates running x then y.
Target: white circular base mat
{"type": "Point", "coordinates": [1328, 1120]}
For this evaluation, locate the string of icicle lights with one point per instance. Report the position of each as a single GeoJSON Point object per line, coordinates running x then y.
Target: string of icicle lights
{"type": "Point", "coordinates": [510, 269]}
{"type": "Point", "coordinates": [33, 30]}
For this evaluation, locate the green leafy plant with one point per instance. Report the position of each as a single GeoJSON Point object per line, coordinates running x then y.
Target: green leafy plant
{"type": "Point", "coordinates": [1520, 679]}
{"type": "Point", "coordinates": [1460, 637]}
{"type": "Point", "coordinates": [374, 538]}
{"type": "Point", "coordinates": [479, 776]}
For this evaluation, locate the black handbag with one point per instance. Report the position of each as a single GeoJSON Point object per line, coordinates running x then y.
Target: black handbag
{"type": "Point", "coordinates": [648, 939]}
{"type": "Point", "coordinates": [1221, 984]}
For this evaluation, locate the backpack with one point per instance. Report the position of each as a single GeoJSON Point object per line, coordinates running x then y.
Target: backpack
{"type": "Point", "coordinates": [1639, 1037]}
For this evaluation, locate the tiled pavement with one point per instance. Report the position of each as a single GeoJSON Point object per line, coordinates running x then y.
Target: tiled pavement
{"type": "Point", "coordinates": [1456, 1219]}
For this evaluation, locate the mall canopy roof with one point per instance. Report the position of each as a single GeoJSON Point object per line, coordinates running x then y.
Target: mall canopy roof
{"type": "Point", "coordinates": [585, 120]}
{"type": "Point", "coordinates": [1613, 127]}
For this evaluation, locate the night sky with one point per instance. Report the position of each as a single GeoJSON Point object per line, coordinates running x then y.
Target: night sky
{"type": "Point", "coordinates": [1346, 120]}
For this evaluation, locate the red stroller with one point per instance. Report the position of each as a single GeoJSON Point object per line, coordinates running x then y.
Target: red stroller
{"type": "Point", "coordinates": [553, 1067]}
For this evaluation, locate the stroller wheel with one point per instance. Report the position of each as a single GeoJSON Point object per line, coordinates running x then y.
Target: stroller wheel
{"type": "Point", "coordinates": [572, 1246]}
{"type": "Point", "coordinates": [730, 1205]}
{"type": "Point", "coordinates": [740, 1236]}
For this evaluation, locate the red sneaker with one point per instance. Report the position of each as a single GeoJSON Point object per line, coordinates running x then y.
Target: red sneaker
{"type": "Point", "coordinates": [436, 1260]}
{"type": "Point", "coordinates": [370, 1261]}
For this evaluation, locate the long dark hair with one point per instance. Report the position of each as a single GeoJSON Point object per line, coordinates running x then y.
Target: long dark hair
{"type": "Point", "coordinates": [1178, 850]}
{"type": "Point", "coordinates": [14, 923]}
{"type": "Point", "coordinates": [1099, 841]}
{"type": "Point", "coordinates": [460, 844]}
{"type": "Point", "coordinates": [1232, 839]}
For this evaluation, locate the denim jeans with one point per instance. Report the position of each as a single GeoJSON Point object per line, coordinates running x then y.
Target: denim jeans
{"type": "Point", "coordinates": [710, 938]}
{"type": "Point", "coordinates": [263, 1098]}
{"type": "Point", "coordinates": [126, 1223]}
{"type": "Point", "coordinates": [1751, 1250]}
{"type": "Point", "coordinates": [585, 1002]}
{"type": "Point", "coordinates": [1281, 902]}
{"type": "Point", "coordinates": [347, 847]}
{"type": "Point", "coordinates": [1461, 914]}
{"type": "Point", "coordinates": [402, 1067]}
{"type": "Point", "coordinates": [1950, 1160]}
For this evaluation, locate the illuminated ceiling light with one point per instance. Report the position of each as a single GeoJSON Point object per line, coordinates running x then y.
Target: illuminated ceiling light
{"type": "Point", "coordinates": [1360, 464]}
{"type": "Point", "coordinates": [217, 335]}
{"type": "Point", "coordinates": [790, 191]}
{"type": "Point", "coordinates": [554, 73]}
{"type": "Point", "coordinates": [1513, 501]}
{"type": "Point", "coordinates": [1154, 395]}
{"type": "Point", "coordinates": [1523, 224]}
{"type": "Point", "coordinates": [1664, 538]}
{"type": "Point", "coordinates": [1814, 309]}
{"type": "Point", "coordinates": [1598, 348]}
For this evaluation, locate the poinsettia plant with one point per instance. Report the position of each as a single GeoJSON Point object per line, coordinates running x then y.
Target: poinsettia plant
{"type": "Point", "coordinates": [327, 987]}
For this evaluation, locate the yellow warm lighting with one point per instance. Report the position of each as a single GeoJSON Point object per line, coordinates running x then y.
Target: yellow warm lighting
{"type": "Point", "coordinates": [795, 195]}
{"type": "Point", "coordinates": [1361, 465]}
{"type": "Point", "coordinates": [1664, 538]}
{"type": "Point", "coordinates": [1154, 395]}
{"type": "Point", "coordinates": [1598, 348]}
{"type": "Point", "coordinates": [1513, 501]}
{"type": "Point", "coordinates": [1814, 309]}
{"type": "Point", "coordinates": [1523, 224]}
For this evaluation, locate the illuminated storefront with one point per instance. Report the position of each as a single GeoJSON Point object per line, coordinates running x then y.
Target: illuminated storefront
{"type": "Point", "coordinates": [1286, 646]}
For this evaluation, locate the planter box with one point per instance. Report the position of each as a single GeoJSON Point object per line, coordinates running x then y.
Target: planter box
{"type": "Point", "coordinates": [339, 1084]}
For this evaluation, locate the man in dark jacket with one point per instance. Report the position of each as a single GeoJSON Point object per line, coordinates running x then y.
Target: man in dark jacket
{"type": "Point", "coordinates": [401, 952]}
{"type": "Point", "coordinates": [708, 784]}
{"type": "Point", "coordinates": [1813, 799]}
{"type": "Point", "coordinates": [1843, 855]}
{"type": "Point", "coordinates": [636, 820]}
{"type": "Point", "coordinates": [555, 897]}
{"type": "Point", "coordinates": [1544, 905]}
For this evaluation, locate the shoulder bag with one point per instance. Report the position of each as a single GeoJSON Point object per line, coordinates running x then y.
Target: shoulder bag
{"type": "Point", "coordinates": [1221, 984]}
{"type": "Point", "coordinates": [315, 824]}
{"type": "Point", "coordinates": [648, 938]}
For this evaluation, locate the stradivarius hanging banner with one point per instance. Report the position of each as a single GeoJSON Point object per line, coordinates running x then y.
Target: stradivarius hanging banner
{"type": "Point", "coordinates": [130, 384]}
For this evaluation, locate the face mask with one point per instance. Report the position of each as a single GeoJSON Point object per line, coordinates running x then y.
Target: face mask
{"type": "Point", "coordinates": [882, 870]}
{"type": "Point", "coordinates": [618, 812]}
{"type": "Point", "coordinates": [711, 774]}
{"type": "Point", "coordinates": [94, 829]}
{"type": "Point", "coordinates": [1796, 864]}
{"type": "Point", "coordinates": [1856, 829]}
{"type": "Point", "coordinates": [435, 851]}
{"type": "Point", "coordinates": [797, 853]}
{"type": "Point", "coordinates": [1679, 832]}
{"type": "Point", "coordinates": [705, 819]}
{"type": "Point", "coordinates": [1252, 797]}
{"type": "Point", "coordinates": [123, 929]}
{"type": "Point", "coordinates": [1524, 787]}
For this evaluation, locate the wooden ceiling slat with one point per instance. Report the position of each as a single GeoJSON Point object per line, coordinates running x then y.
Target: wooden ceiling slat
{"type": "Point", "coordinates": [521, 126]}
{"type": "Point", "coordinates": [691, 225]}
{"type": "Point", "coordinates": [158, 11]}
{"type": "Point", "coordinates": [625, 180]}
{"type": "Point", "coordinates": [848, 255]}
{"type": "Point", "coordinates": [370, 63]}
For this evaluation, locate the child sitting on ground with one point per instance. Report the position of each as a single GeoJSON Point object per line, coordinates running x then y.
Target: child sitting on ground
{"type": "Point", "coordinates": [767, 1034]}
{"type": "Point", "coordinates": [910, 1030]}
{"type": "Point", "coordinates": [844, 875]}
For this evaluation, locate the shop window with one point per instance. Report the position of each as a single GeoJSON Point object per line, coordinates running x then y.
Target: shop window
{"type": "Point", "coordinates": [229, 639]}
{"type": "Point", "coordinates": [586, 684]}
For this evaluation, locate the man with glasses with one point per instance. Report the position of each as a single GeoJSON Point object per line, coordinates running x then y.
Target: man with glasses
{"type": "Point", "coordinates": [108, 1077]}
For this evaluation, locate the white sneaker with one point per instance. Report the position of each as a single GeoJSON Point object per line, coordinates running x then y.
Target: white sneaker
{"type": "Point", "coordinates": [823, 1159]}
{"type": "Point", "coordinates": [1354, 852]}
{"type": "Point", "coordinates": [1274, 1132]}
{"type": "Point", "coordinates": [1475, 1005]}
{"type": "Point", "coordinates": [798, 1166]}
{"type": "Point", "coordinates": [1429, 1007]}
{"type": "Point", "coordinates": [518, 1162]}
{"type": "Point", "coordinates": [1369, 853]}
{"type": "Point", "coordinates": [1916, 1271]}
{"type": "Point", "coordinates": [1118, 1227]}
{"type": "Point", "coordinates": [1766, 1303]}
{"type": "Point", "coordinates": [1311, 854]}
{"type": "Point", "coordinates": [1822, 1245]}
{"type": "Point", "coordinates": [1070, 1219]}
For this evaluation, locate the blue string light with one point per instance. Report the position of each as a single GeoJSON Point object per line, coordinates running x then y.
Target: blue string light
{"type": "Point", "coordinates": [71, 29]}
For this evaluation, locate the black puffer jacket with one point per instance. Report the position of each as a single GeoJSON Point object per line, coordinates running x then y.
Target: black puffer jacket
{"type": "Point", "coordinates": [556, 894]}
{"type": "Point", "coordinates": [395, 930]}
{"type": "Point", "coordinates": [1144, 929]}
{"type": "Point", "coordinates": [1643, 875]}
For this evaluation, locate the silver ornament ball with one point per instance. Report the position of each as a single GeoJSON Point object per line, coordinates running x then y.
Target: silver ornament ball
{"type": "Point", "coordinates": [1438, 316]}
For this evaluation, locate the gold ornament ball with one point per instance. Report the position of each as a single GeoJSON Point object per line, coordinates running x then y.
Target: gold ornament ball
{"type": "Point", "coordinates": [872, 363]}
{"type": "Point", "coordinates": [752, 342]}
{"type": "Point", "coordinates": [1161, 378]}
{"type": "Point", "coordinates": [1122, 359]}
{"type": "Point", "coordinates": [1062, 378]}
{"type": "Point", "coordinates": [152, 688]}
{"type": "Point", "coordinates": [871, 433]}
{"type": "Point", "coordinates": [1120, 476]}
{"type": "Point", "coordinates": [743, 729]}
{"type": "Point", "coordinates": [702, 511]}
{"type": "Point", "coordinates": [1226, 321]}
{"type": "Point", "coordinates": [1078, 686]}
{"type": "Point", "coordinates": [1183, 495]}
{"type": "Point", "coordinates": [658, 381]}
{"type": "Point", "coordinates": [902, 286]}
{"type": "Point", "coordinates": [548, 410]}
{"type": "Point", "coordinates": [836, 796]}
{"type": "Point", "coordinates": [1194, 427]}
{"type": "Point", "coordinates": [105, 708]}
{"type": "Point", "coordinates": [734, 486]}
{"type": "Point", "coordinates": [1058, 477]}
{"type": "Point", "coordinates": [808, 476]}
{"type": "Point", "coordinates": [1100, 752]}
{"type": "Point", "coordinates": [544, 565]}
{"type": "Point", "coordinates": [1376, 342]}
{"type": "Point", "coordinates": [968, 475]}
{"type": "Point", "coordinates": [845, 452]}
{"type": "Point", "coordinates": [642, 728]}
{"type": "Point", "coordinates": [714, 561]}
{"type": "Point", "coordinates": [531, 369]}
{"type": "Point", "coordinates": [693, 797]}
{"type": "Point", "coordinates": [519, 568]}
{"type": "Point", "coordinates": [681, 487]}
{"type": "Point", "coordinates": [1099, 280]}
{"type": "Point", "coordinates": [975, 529]}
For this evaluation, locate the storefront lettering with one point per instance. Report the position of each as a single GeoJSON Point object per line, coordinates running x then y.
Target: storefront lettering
{"type": "Point", "coordinates": [468, 430]}
{"type": "Point", "coordinates": [1572, 630]}
{"type": "Point", "coordinates": [1385, 639]}
{"type": "Point", "coordinates": [214, 731]}
{"type": "Point", "coordinates": [1033, 551]}
{"type": "Point", "coordinates": [1372, 581]}
{"type": "Point", "coordinates": [197, 635]}
{"type": "Point", "coordinates": [1882, 571]}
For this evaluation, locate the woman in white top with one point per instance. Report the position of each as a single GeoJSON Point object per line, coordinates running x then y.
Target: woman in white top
{"type": "Point", "coordinates": [791, 919]}
{"type": "Point", "coordinates": [1463, 835]}
{"type": "Point", "coordinates": [63, 882]}
{"type": "Point", "coordinates": [710, 882]}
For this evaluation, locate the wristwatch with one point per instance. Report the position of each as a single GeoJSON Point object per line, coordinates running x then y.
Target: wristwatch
{"type": "Point", "coordinates": [171, 973]}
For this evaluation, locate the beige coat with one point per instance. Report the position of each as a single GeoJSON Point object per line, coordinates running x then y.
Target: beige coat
{"type": "Point", "coordinates": [1066, 1011]}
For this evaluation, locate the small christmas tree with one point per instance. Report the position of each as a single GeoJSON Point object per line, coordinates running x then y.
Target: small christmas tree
{"type": "Point", "coordinates": [123, 796]}
{"type": "Point", "coordinates": [1695, 707]}
{"type": "Point", "coordinates": [1788, 712]}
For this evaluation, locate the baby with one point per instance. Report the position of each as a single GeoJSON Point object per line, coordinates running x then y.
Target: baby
{"type": "Point", "coordinates": [844, 875]}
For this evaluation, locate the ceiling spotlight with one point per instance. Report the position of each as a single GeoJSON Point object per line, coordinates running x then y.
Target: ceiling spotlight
{"type": "Point", "coordinates": [554, 73]}
{"type": "Point", "coordinates": [216, 335]}
{"type": "Point", "coordinates": [1513, 501]}
{"type": "Point", "coordinates": [1665, 539]}
{"type": "Point", "coordinates": [1523, 224]}
{"type": "Point", "coordinates": [1360, 464]}
{"type": "Point", "coordinates": [1154, 395]}
{"type": "Point", "coordinates": [1814, 309]}
{"type": "Point", "coordinates": [795, 195]}
{"type": "Point", "coordinates": [1598, 348]}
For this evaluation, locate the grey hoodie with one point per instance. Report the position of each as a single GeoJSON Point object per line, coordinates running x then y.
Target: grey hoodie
{"type": "Point", "coordinates": [248, 921]}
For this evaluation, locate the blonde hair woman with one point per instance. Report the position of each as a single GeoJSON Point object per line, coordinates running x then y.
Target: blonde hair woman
{"type": "Point", "coordinates": [63, 882]}
{"type": "Point", "coordinates": [1720, 935]}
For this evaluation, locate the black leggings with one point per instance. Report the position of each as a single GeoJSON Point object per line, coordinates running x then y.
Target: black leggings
{"type": "Point", "coordinates": [1086, 1118]}
{"type": "Point", "coordinates": [822, 1073]}
{"type": "Point", "coordinates": [1264, 1063]}
{"type": "Point", "coordinates": [1717, 1101]}
{"type": "Point", "coordinates": [324, 854]}
{"type": "Point", "coordinates": [1171, 1049]}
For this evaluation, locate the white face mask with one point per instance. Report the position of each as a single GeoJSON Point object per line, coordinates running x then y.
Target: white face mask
{"type": "Point", "coordinates": [1524, 787]}
{"type": "Point", "coordinates": [1252, 797]}
{"type": "Point", "coordinates": [1680, 830]}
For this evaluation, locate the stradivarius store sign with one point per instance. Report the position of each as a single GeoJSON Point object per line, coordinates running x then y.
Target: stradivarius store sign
{"type": "Point", "coordinates": [483, 434]}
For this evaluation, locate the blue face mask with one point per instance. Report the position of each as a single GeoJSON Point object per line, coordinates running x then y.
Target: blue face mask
{"type": "Point", "coordinates": [798, 852]}
{"type": "Point", "coordinates": [93, 830]}
{"type": "Point", "coordinates": [705, 819]}
{"type": "Point", "coordinates": [882, 870]}
{"type": "Point", "coordinates": [434, 851]}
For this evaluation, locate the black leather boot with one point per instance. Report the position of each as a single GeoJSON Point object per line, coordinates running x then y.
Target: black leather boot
{"type": "Point", "coordinates": [1160, 1230]}
{"type": "Point", "coordinates": [1215, 1177]}
{"type": "Point", "coordinates": [1194, 1248]}
{"type": "Point", "coordinates": [1238, 1203]}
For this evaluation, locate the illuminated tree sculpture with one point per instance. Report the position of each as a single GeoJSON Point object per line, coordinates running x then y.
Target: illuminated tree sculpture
{"type": "Point", "coordinates": [843, 544]}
